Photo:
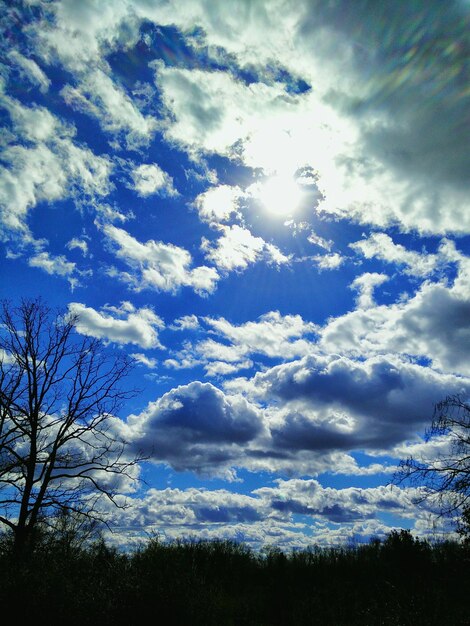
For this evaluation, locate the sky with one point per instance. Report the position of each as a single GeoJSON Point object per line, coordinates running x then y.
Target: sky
{"type": "Point", "coordinates": [265, 204]}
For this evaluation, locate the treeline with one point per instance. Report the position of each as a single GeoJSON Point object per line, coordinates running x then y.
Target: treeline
{"type": "Point", "coordinates": [399, 581]}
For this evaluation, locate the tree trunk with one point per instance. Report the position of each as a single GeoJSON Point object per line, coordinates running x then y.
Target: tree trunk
{"type": "Point", "coordinates": [22, 543]}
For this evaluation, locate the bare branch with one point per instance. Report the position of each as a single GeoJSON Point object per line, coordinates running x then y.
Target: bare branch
{"type": "Point", "coordinates": [58, 395]}
{"type": "Point", "coordinates": [444, 477]}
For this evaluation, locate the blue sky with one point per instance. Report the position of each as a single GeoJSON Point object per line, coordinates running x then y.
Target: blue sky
{"type": "Point", "coordinates": [265, 204]}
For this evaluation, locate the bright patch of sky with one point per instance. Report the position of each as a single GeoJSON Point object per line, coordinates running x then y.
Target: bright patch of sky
{"type": "Point", "coordinates": [266, 205]}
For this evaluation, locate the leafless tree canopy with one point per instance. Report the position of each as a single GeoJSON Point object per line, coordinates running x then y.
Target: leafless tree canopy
{"type": "Point", "coordinates": [446, 476]}
{"type": "Point", "coordinates": [59, 444]}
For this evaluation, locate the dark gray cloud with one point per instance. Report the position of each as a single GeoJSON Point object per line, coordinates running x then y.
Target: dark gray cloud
{"type": "Point", "coordinates": [317, 410]}
{"type": "Point", "coordinates": [228, 514]}
{"type": "Point", "coordinates": [196, 427]}
{"type": "Point", "coordinates": [334, 513]}
{"type": "Point", "coordinates": [335, 403]}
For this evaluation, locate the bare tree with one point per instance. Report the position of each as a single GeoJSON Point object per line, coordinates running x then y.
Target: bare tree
{"type": "Point", "coordinates": [59, 444]}
{"type": "Point", "coordinates": [444, 476]}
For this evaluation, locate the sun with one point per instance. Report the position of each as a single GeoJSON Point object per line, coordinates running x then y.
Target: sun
{"type": "Point", "coordinates": [280, 195]}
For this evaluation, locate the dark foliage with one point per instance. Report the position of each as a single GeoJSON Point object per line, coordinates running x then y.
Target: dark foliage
{"type": "Point", "coordinates": [400, 581]}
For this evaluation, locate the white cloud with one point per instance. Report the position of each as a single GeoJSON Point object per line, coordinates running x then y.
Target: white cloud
{"type": "Point", "coordinates": [101, 97]}
{"type": "Point", "coordinates": [266, 516]}
{"type": "Point", "coordinates": [272, 335]}
{"type": "Point", "coordinates": [222, 368]}
{"type": "Point", "coordinates": [142, 359]}
{"type": "Point", "coordinates": [237, 248]}
{"type": "Point", "coordinates": [218, 204]}
{"type": "Point", "coordinates": [79, 244]}
{"type": "Point", "coordinates": [212, 111]}
{"type": "Point", "coordinates": [210, 350]}
{"type": "Point", "coordinates": [150, 179]}
{"type": "Point", "coordinates": [308, 497]}
{"type": "Point", "coordinates": [381, 246]}
{"type": "Point", "coordinates": [433, 325]}
{"type": "Point", "coordinates": [370, 167]}
{"type": "Point", "coordinates": [51, 168]}
{"type": "Point", "coordinates": [34, 175]}
{"type": "Point", "coordinates": [6, 358]}
{"type": "Point", "coordinates": [365, 285]}
{"type": "Point", "coordinates": [30, 69]}
{"type": "Point", "coordinates": [125, 325]}
{"type": "Point", "coordinates": [380, 147]}
{"type": "Point", "coordinates": [328, 261]}
{"type": "Point", "coordinates": [184, 360]}
{"type": "Point", "coordinates": [76, 34]}
{"type": "Point", "coordinates": [303, 417]}
{"type": "Point", "coordinates": [159, 266]}
{"type": "Point", "coordinates": [186, 322]}
{"type": "Point", "coordinates": [316, 240]}
{"type": "Point", "coordinates": [57, 265]}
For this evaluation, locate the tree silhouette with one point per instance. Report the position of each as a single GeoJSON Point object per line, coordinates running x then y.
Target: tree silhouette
{"type": "Point", "coordinates": [60, 448]}
{"type": "Point", "coordinates": [445, 476]}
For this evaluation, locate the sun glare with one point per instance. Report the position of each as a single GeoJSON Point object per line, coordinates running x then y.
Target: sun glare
{"type": "Point", "coordinates": [280, 195]}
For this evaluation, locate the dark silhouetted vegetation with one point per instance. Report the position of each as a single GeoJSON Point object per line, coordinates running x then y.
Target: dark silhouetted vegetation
{"type": "Point", "coordinates": [398, 581]}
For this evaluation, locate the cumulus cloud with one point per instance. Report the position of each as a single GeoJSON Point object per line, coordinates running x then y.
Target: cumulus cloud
{"type": "Point", "coordinates": [222, 368]}
{"type": "Point", "coordinates": [77, 35]}
{"type": "Point", "coordinates": [186, 322]}
{"type": "Point", "coordinates": [273, 334]}
{"type": "Point", "coordinates": [302, 417]}
{"type": "Point", "coordinates": [237, 248]}
{"type": "Point", "coordinates": [316, 240]}
{"type": "Point", "coordinates": [122, 325]}
{"type": "Point", "coordinates": [328, 261]}
{"type": "Point", "coordinates": [196, 427]}
{"type": "Point", "coordinates": [433, 324]}
{"type": "Point", "coordinates": [159, 266]}
{"type": "Point", "coordinates": [150, 179]}
{"type": "Point", "coordinates": [308, 497]}
{"type": "Point", "coordinates": [59, 266]}
{"type": "Point", "coordinates": [193, 507]}
{"type": "Point", "coordinates": [266, 516]}
{"type": "Point", "coordinates": [212, 111]}
{"type": "Point", "coordinates": [365, 285]}
{"type": "Point", "coordinates": [333, 402]}
{"type": "Point", "coordinates": [196, 507]}
{"type": "Point", "coordinates": [398, 168]}
{"type": "Point", "coordinates": [218, 204]}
